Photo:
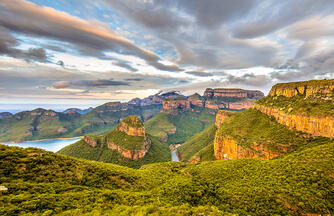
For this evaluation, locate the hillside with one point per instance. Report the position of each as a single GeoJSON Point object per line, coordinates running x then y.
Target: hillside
{"type": "Point", "coordinates": [46, 124]}
{"type": "Point", "coordinates": [41, 182]}
{"type": "Point", "coordinates": [128, 144]}
{"type": "Point", "coordinates": [289, 118]}
{"type": "Point", "coordinates": [177, 125]}
{"type": "Point", "coordinates": [190, 150]}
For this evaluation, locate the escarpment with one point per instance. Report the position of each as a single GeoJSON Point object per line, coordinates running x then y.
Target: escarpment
{"type": "Point", "coordinates": [307, 88]}
{"type": "Point", "coordinates": [222, 115]}
{"type": "Point", "coordinates": [303, 106]}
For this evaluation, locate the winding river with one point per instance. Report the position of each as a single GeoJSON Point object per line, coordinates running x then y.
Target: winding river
{"type": "Point", "coordinates": [52, 145]}
{"type": "Point", "coordinates": [174, 156]}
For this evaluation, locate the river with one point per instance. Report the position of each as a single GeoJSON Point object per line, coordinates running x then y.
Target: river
{"type": "Point", "coordinates": [52, 145]}
{"type": "Point", "coordinates": [174, 155]}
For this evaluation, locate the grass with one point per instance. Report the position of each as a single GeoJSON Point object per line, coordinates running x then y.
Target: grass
{"type": "Point", "coordinates": [186, 124]}
{"type": "Point", "coordinates": [196, 143]}
{"type": "Point", "coordinates": [41, 182]}
{"type": "Point", "coordinates": [314, 105]}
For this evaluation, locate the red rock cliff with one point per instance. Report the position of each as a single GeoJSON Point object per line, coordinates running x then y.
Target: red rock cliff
{"type": "Point", "coordinates": [175, 105]}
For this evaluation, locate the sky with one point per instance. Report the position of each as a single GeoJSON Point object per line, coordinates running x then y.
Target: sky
{"type": "Point", "coordinates": [80, 53]}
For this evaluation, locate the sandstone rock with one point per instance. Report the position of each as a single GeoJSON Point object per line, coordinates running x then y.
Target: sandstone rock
{"type": "Point", "coordinates": [222, 115]}
{"type": "Point", "coordinates": [132, 126]}
{"type": "Point", "coordinates": [90, 140]}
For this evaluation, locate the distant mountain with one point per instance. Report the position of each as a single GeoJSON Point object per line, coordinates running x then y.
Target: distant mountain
{"type": "Point", "coordinates": [5, 114]}
{"type": "Point", "coordinates": [128, 144]}
{"type": "Point", "coordinates": [80, 111]}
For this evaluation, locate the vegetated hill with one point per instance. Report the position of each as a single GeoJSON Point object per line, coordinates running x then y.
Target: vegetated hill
{"type": "Point", "coordinates": [38, 182]}
{"type": "Point", "coordinates": [128, 144]}
{"type": "Point", "coordinates": [5, 114]}
{"type": "Point", "coordinates": [46, 124]}
{"type": "Point", "coordinates": [199, 147]}
{"type": "Point", "coordinates": [288, 118]}
{"type": "Point", "coordinates": [177, 127]}
{"type": "Point", "coordinates": [80, 111]}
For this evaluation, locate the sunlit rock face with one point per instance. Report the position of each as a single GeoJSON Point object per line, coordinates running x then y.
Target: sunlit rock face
{"type": "Point", "coordinates": [174, 106]}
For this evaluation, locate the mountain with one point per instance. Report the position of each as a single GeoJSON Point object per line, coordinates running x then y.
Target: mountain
{"type": "Point", "coordinates": [128, 144]}
{"type": "Point", "coordinates": [178, 121]}
{"type": "Point", "coordinates": [292, 116]}
{"type": "Point", "coordinates": [5, 114]}
{"type": "Point", "coordinates": [200, 146]}
{"type": "Point", "coordinates": [38, 182]}
{"type": "Point", "coordinates": [80, 111]}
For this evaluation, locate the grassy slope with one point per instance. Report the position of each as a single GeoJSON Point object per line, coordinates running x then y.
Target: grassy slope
{"type": "Point", "coordinates": [159, 152]}
{"type": "Point", "coordinates": [252, 126]}
{"type": "Point", "coordinates": [311, 106]}
{"type": "Point", "coordinates": [196, 143]}
{"type": "Point", "coordinates": [19, 126]}
{"type": "Point", "coordinates": [42, 182]}
{"type": "Point", "coordinates": [186, 123]}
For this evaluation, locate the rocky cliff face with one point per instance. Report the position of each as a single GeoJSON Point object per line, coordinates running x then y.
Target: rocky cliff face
{"type": "Point", "coordinates": [132, 126]}
{"type": "Point", "coordinates": [228, 148]}
{"type": "Point", "coordinates": [174, 106]}
{"type": "Point", "coordinates": [222, 115]}
{"type": "Point", "coordinates": [314, 125]}
{"type": "Point", "coordinates": [239, 93]}
{"type": "Point", "coordinates": [308, 88]}
{"type": "Point", "coordinates": [132, 154]}
{"type": "Point", "coordinates": [133, 145]}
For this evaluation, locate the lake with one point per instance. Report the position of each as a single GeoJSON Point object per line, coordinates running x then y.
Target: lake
{"type": "Point", "coordinates": [52, 145]}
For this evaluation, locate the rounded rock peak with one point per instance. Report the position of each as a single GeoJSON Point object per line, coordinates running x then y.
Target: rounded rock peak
{"type": "Point", "coordinates": [132, 126]}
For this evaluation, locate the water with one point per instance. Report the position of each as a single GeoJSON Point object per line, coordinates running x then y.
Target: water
{"type": "Point", "coordinates": [52, 145]}
{"type": "Point", "coordinates": [174, 155]}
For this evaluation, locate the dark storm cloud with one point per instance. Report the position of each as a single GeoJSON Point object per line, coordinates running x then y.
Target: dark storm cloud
{"type": "Point", "coordinates": [125, 65]}
{"type": "Point", "coordinates": [199, 73]}
{"type": "Point", "coordinates": [88, 83]}
{"type": "Point", "coordinates": [90, 38]}
{"type": "Point", "coordinates": [134, 79]}
{"type": "Point", "coordinates": [278, 14]}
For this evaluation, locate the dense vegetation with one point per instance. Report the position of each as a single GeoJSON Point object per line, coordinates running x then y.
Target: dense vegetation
{"type": "Point", "coordinates": [314, 105]}
{"type": "Point", "coordinates": [198, 146]}
{"type": "Point", "coordinates": [252, 126]}
{"type": "Point", "coordinates": [41, 182]}
{"type": "Point", "coordinates": [159, 152]}
{"type": "Point", "coordinates": [178, 128]}
{"type": "Point", "coordinates": [28, 126]}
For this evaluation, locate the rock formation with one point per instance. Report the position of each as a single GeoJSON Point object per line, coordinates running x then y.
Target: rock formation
{"type": "Point", "coordinates": [238, 93]}
{"type": "Point", "coordinates": [128, 138]}
{"type": "Point", "coordinates": [222, 115]}
{"type": "Point", "coordinates": [228, 148]}
{"type": "Point", "coordinates": [307, 88]}
{"type": "Point", "coordinates": [174, 106]}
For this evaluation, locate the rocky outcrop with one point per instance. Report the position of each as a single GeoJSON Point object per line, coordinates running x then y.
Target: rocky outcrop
{"type": "Point", "coordinates": [196, 100]}
{"type": "Point", "coordinates": [132, 154]}
{"type": "Point", "coordinates": [228, 148]}
{"type": "Point", "coordinates": [90, 140]}
{"type": "Point", "coordinates": [307, 88]}
{"type": "Point", "coordinates": [132, 126]}
{"type": "Point", "coordinates": [174, 106]}
{"type": "Point", "coordinates": [238, 93]}
{"type": "Point", "coordinates": [222, 115]}
{"type": "Point", "coordinates": [314, 125]}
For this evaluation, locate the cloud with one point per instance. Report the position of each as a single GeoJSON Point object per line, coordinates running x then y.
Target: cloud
{"type": "Point", "coordinates": [91, 38]}
{"type": "Point", "coordinates": [275, 15]}
{"type": "Point", "coordinates": [88, 83]}
{"type": "Point", "coordinates": [125, 65]}
{"type": "Point", "coordinates": [199, 73]}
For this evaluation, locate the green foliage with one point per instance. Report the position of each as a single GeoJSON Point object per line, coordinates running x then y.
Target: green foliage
{"type": "Point", "coordinates": [41, 182]}
{"type": "Point", "coordinates": [120, 138]}
{"type": "Point", "coordinates": [25, 126]}
{"type": "Point", "coordinates": [186, 124]}
{"type": "Point", "coordinates": [314, 105]}
{"type": "Point", "coordinates": [159, 152]}
{"type": "Point", "coordinates": [196, 143]}
{"type": "Point", "coordinates": [133, 121]}
{"type": "Point", "coordinates": [251, 126]}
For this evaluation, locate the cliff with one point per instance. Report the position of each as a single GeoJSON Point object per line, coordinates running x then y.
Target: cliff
{"type": "Point", "coordinates": [174, 106]}
{"type": "Point", "coordinates": [128, 139]}
{"type": "Point", "coordinates": [238, 93]}
{"type": "Point", "coordinates": [313, 125]}
{"type": "Point", "coordinates": [307, 88]}
{"type": "Point", "coordinates": [222, 115]}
